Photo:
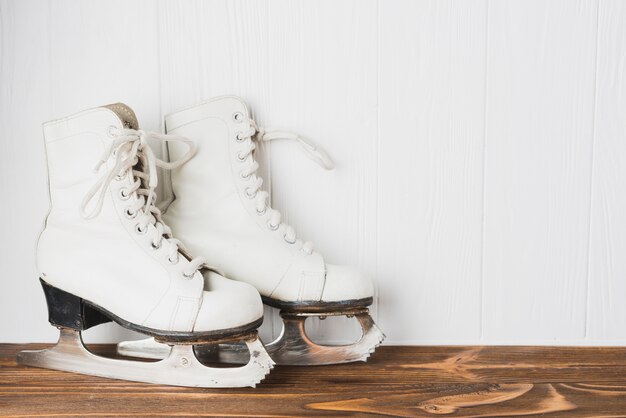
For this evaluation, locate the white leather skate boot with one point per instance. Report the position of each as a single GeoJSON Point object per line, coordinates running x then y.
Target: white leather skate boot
{"type": "Point", "coordinates": [221, 212]}
{"type": "Point", "coordinates": [105, 255]}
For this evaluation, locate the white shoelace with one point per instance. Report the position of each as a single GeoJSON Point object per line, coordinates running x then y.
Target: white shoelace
{"type": "Point", "coordinates": [314, 152]}
{"type": "Point", "coordinates": [130, 147]}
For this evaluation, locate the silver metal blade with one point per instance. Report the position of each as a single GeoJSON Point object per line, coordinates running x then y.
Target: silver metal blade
{"type": "Point", "coordinates": [292, 347]}
{"type": "Point", "coordinates": [179, 366]}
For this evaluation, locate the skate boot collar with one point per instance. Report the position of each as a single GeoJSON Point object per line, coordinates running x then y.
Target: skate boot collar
{"type": "Point", "coordinates": [236, 108]}
{"type": "Point", "coordinates": [126, 115]}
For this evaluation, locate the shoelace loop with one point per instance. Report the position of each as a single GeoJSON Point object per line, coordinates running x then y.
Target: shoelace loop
{"type": "Point", "coordinates": [314, 152]}
{"type": "Point", "coordinates": [130, 147]}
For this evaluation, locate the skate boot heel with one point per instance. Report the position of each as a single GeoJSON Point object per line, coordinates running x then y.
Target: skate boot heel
{"type": "Point", "coordinates": [70, 311]}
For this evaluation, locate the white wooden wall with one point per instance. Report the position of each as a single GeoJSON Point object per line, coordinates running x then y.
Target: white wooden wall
{"type": "Point", "coordinates": [480, 145]}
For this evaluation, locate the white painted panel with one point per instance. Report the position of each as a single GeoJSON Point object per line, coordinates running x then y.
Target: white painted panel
{"type": "Point", "coordinates": [540, 95]}
{"type": "Point", "coordinates": [607, 252]}
{"type": "Point", "coordinates": [104, 52]}
{"type": "Point", "coordinates": [430, 161]}
{"type": "Point", "coordinates": [24, 104]}
{"type": "Point", "coordinates": [285, 59]}
{"type": "Point", "coordinates": [214, 48]}
{"type": "Point", "coordinates": [463, 134]}
{"type": "Point", "coordinates": [322, 84]}
{"type": "Point", "coordinates": [59, 58]}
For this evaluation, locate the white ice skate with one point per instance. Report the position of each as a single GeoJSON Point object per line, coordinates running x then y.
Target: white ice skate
{"type": "Point", "coordinates": [222, 213]}
{"type": "Point", "coordinates": [106, 255]}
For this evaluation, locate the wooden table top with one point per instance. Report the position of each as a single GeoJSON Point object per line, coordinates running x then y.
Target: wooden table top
{"type": "Point", "coordinates": [396, 381]}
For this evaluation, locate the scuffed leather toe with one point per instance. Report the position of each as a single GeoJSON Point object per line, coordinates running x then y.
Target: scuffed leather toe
{"type": "Point", "coordinates": [227, 304]}
{"type": "Point", "coordinates": [346, 283]}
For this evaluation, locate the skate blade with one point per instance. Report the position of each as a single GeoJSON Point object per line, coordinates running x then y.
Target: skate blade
{"type": "Point", "coordinates": [292, 347]}
{"type": "Point", "coordinates": [179, 366]}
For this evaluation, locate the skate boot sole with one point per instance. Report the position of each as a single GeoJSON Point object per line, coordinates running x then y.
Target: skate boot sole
{"type": "Point", "coordinates": [317, 306]}
{"type": "Point", "coordinates": [71, 311]}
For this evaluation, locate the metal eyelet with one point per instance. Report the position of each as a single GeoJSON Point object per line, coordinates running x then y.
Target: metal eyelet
{"type": "Point", "coordinates": [287, 241]}
{"type": "Point", "coordinates": [261, 212]}
{"type": "Point", "coordinates": [155, 247]}
{"type": "Point", "coordinates": [244, 176]}
{"type": "Point", "coordinates": [250, 195]}
{"type": "Point", "coordinates": [175, 260]}
{"type": "Point", "coordinates": [139, 230]}
{"type": "Point", "coordinates": [129, 214]}
{"type": "Point", "coordinates": [120, 177]}
{"type": "Point", "coordinates": [123, 194]}
{"type": "Point", "coordinates": [111, 131]}
{"type": "Point", "coordinates": [240, 158]}
{"type": "Point", "coordinates": [239, 136]}
{"type": "Point", "coordinates": [238, 117]}
{"type": "Point", "coordinates": [272, 227]}
{"type": "Point", "coordinates": [189, 276]}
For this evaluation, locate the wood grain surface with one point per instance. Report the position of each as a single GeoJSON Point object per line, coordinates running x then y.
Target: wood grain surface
{"type": "Point", "coordinates": [397, 381]}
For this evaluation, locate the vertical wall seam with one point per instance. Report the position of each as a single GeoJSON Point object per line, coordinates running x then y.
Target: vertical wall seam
{"type": "Point", "coordinates": [591, 170]}
{"type": "Point", "coordinates": [377, 153]}
{"type": "Point", "coordinates": [49, 60]}
{"type": "Point", "coordinates": [268, 146]}
{"type": "Point", "coordinates": [484, 154]}
{"type": "Point", "coordinates": [159, 65]}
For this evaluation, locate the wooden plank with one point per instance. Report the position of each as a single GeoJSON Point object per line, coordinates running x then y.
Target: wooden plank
{"type": "Point", "coordinates": [397, 381]}
{"type": "Point", "coordinates": [431, 132]}
{"type": "Point", "coordinates": [58, 58]}
{"type": "Point", "coordinates": [322, 85]}
{"type": "Point", "coordinates": [104, 52]}
{"type": "Point", "coordinates": [607, 266]}
{"type": "Point", "coordinates": [540, 95]}
{"type": "Point", "coordinates": [101, 53]}
{"type": "Point", "coordinates": [209, 49]}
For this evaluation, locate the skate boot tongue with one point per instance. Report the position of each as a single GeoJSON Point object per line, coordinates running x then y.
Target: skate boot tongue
{"type": "Point", "coordinates": [125, 113]}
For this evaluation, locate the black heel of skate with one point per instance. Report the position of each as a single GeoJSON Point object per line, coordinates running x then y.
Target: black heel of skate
{"type": "Point", "coordinates": [69, 311]}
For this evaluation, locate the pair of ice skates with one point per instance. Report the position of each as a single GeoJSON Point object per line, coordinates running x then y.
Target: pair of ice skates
{"type": "Point", "coordinates": [107, 253]}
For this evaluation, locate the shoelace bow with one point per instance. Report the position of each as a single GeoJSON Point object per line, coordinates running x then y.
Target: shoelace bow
{"type": "Point", "coordinates": [314, 152]}
{"type": "Point", "coordinates": [129, 148]}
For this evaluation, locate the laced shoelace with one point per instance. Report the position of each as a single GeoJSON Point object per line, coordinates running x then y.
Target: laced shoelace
{"type": "Point", "coordinates": [129, 148]}
{"type": "Point", "coordinates": [314, 152]}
